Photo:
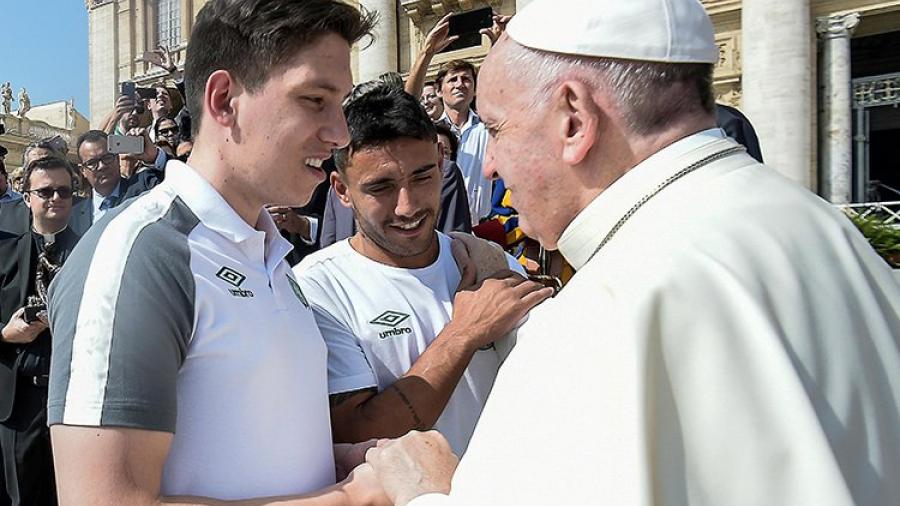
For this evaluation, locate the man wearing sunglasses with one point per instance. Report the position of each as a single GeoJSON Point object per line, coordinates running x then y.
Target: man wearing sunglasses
{"type": "Point", "coordinates": [27, 262]}
{"type": "Point", "coordinates": [102, 171]}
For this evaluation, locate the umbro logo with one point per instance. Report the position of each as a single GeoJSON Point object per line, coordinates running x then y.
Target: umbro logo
{"type": "Point", "coordinates": [234, 278]}
{"type": "Point", "coordinates": [392, 319]}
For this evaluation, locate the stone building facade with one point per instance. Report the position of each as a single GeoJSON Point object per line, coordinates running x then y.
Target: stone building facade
{"type": "Point", "coordinates": [41, 121]}
{"type": "Point", "coordinates": [808, 73]}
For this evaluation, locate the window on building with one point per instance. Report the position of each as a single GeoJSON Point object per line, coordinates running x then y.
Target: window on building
{"type": "Point", "coordinates": [168, 23]}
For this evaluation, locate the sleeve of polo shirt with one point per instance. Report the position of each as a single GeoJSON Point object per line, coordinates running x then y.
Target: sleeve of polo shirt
{"type": "Point", "coordinates": [121, 314]}
{"type": "Point", "coordinates": [348, 367]}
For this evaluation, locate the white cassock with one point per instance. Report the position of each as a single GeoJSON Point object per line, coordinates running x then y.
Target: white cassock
{"type": "Point", "coordinates": [735, 343]}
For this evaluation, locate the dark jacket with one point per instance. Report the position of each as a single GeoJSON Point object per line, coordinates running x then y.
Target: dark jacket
{"type": "Point", "coordinates": [83, 210]}
{"type": "Point", "coordinates": [18, 254]}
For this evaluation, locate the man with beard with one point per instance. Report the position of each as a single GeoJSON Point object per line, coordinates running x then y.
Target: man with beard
{"type": "Point", "coordinates": [405, 351]}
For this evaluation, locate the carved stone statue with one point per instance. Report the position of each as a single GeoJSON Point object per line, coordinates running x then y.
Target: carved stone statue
{"type": "Point", "coordinates": [6, 97]}
{"type": "Point", "coordinates": [70, 115]}
{"type": "Point", "coordinates": [24, 102]}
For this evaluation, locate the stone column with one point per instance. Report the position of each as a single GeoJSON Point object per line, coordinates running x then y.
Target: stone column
{"type": "Point", "coordinates": [381, 55]}
{"type": "Point", "coordinates": [835, 133]}
{"type": "Point", "coordinates": [521, 3]}
{"type": "Point", "coordinates": [777, 83]}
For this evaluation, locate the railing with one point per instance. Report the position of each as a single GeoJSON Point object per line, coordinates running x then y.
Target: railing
{"type": "Point", "coordinates": [877, 90]}
{"type": "Point", "coordinates": [889, 210]}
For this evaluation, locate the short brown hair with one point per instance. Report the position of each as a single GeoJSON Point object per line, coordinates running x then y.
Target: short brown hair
{"type": "Point", "coordinates": [452, 66]}
{"type": "Point", "coordinates": [248, 38]}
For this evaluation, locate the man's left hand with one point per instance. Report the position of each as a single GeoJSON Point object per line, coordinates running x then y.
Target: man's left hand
{"type": "Point", "coordinates": [349, 455]}
{"type": "Point", "coordinates": [416, 464]}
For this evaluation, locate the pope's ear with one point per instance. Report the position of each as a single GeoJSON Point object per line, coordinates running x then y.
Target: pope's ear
{"type": "Point", "coordinates": [579, 117]}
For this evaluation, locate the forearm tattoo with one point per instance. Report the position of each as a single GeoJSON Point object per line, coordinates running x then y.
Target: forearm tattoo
{"type": "Point", "coordinates": [412, 411]}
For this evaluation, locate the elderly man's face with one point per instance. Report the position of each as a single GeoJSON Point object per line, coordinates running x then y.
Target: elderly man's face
{"type": "Point", "coordinates": [432, 103]}
{"type": "Point", "coordinates": [524, 149]}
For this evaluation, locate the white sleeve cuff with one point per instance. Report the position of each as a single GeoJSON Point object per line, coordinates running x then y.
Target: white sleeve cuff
{"type": "Point", "coordinates": [313, 230]}
{"type": "Point", "coordinates": [431, 500]}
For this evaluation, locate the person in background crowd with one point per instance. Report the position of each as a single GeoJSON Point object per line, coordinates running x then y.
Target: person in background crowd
{"type": "Point", "coordinates": [166, 130]}
{"type": "Point", "coordinates": [455, 85]}
{"type": "Point", "coordinates": [738, 127]}
{"type": "Point", "coordinates": [430, 100]}
{"type": "Point", "coordinates": [728, 336]}
{"type": "Point", "coordinates": [27, 263]}
{"type": "Point", "coordinates": [7, 194]}
{"type": "Point", "coordinates": [109, 189]}
{"type": "Point", "coordinates": [445, 348]}
{"type": "Point", "coordinates": [15, 217]}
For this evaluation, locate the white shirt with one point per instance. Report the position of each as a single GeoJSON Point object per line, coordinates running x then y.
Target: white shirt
{"type": "Point", "coordinates": [178, 316]}
{"type": "Point", "coordinates": [734, 343]}
{"type": "Point", "coordinates": [473, 138]}
{"type": "Point", "coordinates": [377, 320]}
{"type": "Point", "coordinates": [97, 202]}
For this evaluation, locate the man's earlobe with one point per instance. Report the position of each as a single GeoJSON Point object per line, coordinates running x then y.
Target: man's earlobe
{"type": "Point", "coordinates": [579, 122]}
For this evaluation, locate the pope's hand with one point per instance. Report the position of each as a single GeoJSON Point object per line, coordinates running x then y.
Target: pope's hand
{"type": "Point", "coordinates": [415, 464]}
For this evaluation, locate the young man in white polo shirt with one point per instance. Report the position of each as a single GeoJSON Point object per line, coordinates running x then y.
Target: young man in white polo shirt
{"type": "Point", "coordinates": [187, 362]}
{"type": "Point", "coordinates": [405, 351]}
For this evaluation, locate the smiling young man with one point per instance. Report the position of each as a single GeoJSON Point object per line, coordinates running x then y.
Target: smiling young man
{"type": "Point", "coordinates": [188, 367]}
{"type": "Point", "coordinates": [405, 351]}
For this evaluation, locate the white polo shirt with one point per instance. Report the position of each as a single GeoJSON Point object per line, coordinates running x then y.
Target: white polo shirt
{"type": "Point", "coordinates": [176, 306]}
{"type": "Point", "coordinates": [377, 320]}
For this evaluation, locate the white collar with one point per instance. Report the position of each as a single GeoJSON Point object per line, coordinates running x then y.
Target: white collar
{"type": "Point", "coordinates": [582, 236]}
{"type": "Point", "coordinates": [216, 214]}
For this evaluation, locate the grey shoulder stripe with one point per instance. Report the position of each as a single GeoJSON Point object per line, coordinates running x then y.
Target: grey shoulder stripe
{"type": "Point", "coordinates": [89, 366]}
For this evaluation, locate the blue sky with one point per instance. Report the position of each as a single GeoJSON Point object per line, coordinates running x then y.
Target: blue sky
{"type": "Point", "coordinates": [44, 47]}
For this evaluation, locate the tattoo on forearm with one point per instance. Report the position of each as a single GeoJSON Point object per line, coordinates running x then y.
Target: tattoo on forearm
{"type": "Point", "coordinates": [335, 400]}
{"type": "Point", "coordinates": [412, 411]}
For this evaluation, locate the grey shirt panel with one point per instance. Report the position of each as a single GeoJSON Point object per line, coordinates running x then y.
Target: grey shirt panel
{"type": "Point", "coordinates": [152, 326]}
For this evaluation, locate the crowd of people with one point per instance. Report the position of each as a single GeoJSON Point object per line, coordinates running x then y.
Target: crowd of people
{"type": "Point", "coordinates": [586, 285]}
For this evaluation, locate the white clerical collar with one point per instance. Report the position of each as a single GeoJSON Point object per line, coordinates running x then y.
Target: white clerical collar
{"type": "Point", "coordinates": [50, 238]}
{"type": "Point", "coordinates": [580, 239]}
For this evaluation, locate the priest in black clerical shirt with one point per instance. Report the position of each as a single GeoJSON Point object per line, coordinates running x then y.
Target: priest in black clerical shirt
{"type": "Point", "coordinates": [28, 262]}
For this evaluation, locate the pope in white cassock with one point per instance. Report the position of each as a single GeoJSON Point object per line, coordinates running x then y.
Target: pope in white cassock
{"type": "Point", "coordinates": [728, 339]}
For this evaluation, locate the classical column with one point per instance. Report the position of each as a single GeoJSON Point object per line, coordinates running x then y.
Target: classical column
{"type": "Point", "coordinates": [521, 3]}
{"type": "Point", "coordinates": [381, 55]}
{"type": "Point", "coordinates": [777, 83]}
{"type": "Point", "coordinates": [835, 129]}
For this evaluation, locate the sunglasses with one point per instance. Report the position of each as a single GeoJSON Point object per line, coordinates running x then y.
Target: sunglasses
{"type": "Point", "coordinates": [168, 131]}
{"type": "Point", "coordinates": [47, 193]}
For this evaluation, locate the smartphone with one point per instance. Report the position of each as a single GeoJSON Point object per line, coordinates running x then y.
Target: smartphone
{"type": "Point", "coordinates": [31, 313]}
{"type": "Point", "coordinates": [128, 88]}
{"type": "Point", "coordinates": [466, 25]}
{"type": "Point", "coordinates": [146, 93]}
{"type": "Point", "coordinates": [125, 144]}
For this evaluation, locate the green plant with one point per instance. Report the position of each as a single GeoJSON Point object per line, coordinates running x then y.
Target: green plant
{"type": "Point", "coordinates": [884, 237]}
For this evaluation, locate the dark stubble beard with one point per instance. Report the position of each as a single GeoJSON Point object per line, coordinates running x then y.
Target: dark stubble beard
{"type": "Point", "coordinates": [407, 249]}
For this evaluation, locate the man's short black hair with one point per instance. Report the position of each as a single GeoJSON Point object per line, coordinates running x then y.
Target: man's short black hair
{"type": "Point", "coordinates": [47, 163]}
{"type": "Point", "coordinates": [92, 136]}
{"type": "Point", "coordinates": [380, 116]}
{"type": "Point", "coordinates": [248, 38]}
